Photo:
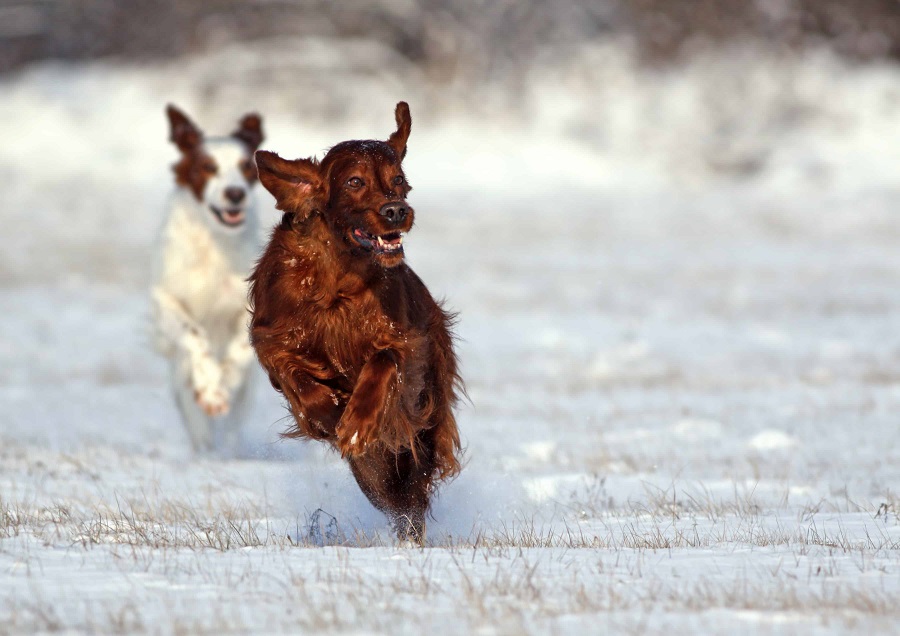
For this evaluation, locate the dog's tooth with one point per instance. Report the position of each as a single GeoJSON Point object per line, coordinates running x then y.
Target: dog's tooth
{"type": "Point", "coordinates": [380, 241]}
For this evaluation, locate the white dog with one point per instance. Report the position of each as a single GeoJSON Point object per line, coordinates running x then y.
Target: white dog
{"type": "Point", "coordinates": [199, 297]}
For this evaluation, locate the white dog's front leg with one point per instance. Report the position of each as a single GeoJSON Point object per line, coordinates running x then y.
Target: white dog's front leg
{"type": "Point", "coordinates": [206, 376]}
{"type": "Point", "coordinates": [179, 336]}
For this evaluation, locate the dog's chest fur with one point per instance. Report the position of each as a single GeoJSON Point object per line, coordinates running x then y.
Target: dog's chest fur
{"type": "Point", "coordinates": [320, 323]}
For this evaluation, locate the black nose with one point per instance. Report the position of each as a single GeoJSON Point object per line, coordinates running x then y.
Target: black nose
{"type": "Point", "coordinates": [234, 194]}
{"type": "Point", "coordinates": [394, 212]}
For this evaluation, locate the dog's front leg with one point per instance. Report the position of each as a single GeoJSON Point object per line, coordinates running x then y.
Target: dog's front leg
{"type": "Point", "coordinates": [179, 335]}
{"type": "Point", "coordinates": [238, 356]}
{"type": "Point", "coordinates": [375, 391]}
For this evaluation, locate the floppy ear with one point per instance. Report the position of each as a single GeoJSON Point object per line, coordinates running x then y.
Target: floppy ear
{"type": "Point", "coordinates": [296, 185]}
{"type": "Point", "coordinates": [182, 131]}
{"type": "Point", "coordinates": [397, 140]}
{"type": "Point", "coordinates": [250, 131]}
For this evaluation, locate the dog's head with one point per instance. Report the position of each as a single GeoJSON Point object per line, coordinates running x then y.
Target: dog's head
{"type": "Point", "coordinates": [219, 171]}
{"type": "Point", "coordinates": [358, 189]}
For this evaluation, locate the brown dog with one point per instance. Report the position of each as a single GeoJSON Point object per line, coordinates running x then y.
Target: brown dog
{"type": "Point", "coordinates": [348, 332]}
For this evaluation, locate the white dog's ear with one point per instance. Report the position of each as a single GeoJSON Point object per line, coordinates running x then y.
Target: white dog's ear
{"type": "Point", "coordinates": [398, 139]}
{"type": "Point", "coordinates": [182, 131]}
{"type": "Point", "coordinates": [250, 131]}
{"type": "Point", "coordinates": [297, 185]}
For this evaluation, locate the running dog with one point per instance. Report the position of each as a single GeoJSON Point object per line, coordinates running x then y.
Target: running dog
{"type": "Point", "coordinates": [346, 330]}
{"type": "Point", "coordinates": [199, 295]}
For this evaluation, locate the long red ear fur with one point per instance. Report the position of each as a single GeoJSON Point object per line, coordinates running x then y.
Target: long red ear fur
{"type": "Point", "coordinates": [182, 131]}
{"type": "Point", "coordinates": [398, 139]}
{"type": "Point", "coordinates": [296, 185]}
{"type": "Point", "coordinates": [250, 131]}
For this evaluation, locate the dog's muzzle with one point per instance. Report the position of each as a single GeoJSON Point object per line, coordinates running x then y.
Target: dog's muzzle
{"type": "Point", "coordinates": [231, 217]}
{"type": "Point", "coordinates": [389, 243]}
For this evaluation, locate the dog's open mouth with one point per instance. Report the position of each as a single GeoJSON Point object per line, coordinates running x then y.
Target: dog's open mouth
{"type": "Point", "coordinates": [390, 243]}
{"type": "Point", "coordinates": [229, 216]}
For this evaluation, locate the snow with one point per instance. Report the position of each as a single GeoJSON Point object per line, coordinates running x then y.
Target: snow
{"type": "Point", "coordinates": [770, 440]}
{"type": "Point", "coordinates": [678, 308]}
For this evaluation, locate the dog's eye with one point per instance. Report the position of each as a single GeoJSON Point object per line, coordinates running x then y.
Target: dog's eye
{"type": "Point", "coordinates": [246, 166]}
{"type": "Point", "coordinates": [356, 182]}
{"type": "Point", "coordinates": [210, 167]}
{"type": "Point", "coordinates": [399, 180]}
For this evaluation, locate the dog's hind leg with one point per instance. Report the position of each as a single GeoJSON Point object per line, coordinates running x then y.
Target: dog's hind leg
{"type": "Point", "coordinates": [236, 381]}
{"type": "Point", "coordinates": [231, 424]}
{"type": "Point", "coordinates": [196, 422]}
{"type": "Point", "coordinates": [238, 356]}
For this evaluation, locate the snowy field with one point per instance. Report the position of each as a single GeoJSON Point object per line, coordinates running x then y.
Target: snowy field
{"type": "Point", "coordinates": [679, 295]}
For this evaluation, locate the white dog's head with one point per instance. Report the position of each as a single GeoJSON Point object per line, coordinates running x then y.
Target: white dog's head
{"type": "Point", "coordinates": [218, 171]}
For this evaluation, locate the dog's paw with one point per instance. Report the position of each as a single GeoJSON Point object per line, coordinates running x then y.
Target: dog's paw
{"type": "Point", "coordinates": [210, 393]}
{"type": "Point", "coordinates": [355, 434]}
{"type": "Point", "coordinates": [410, 529]}
{"type": "Point", "coordinates": [213, 401]}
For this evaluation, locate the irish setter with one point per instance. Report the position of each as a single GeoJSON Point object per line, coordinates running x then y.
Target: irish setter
{"type": "Point", "coordinates": [348, 332]}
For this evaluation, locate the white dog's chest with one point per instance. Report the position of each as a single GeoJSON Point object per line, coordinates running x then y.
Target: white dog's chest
{"type": "Point", "coordinates": [212, 293]}
{"type": "Point", "coordinates": [206, 277]}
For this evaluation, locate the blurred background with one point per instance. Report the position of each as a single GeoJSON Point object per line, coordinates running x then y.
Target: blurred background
{"type": "Point", "coordinates": [646, 211]}
{"type": "Point", "coordinates": [554, 97]}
